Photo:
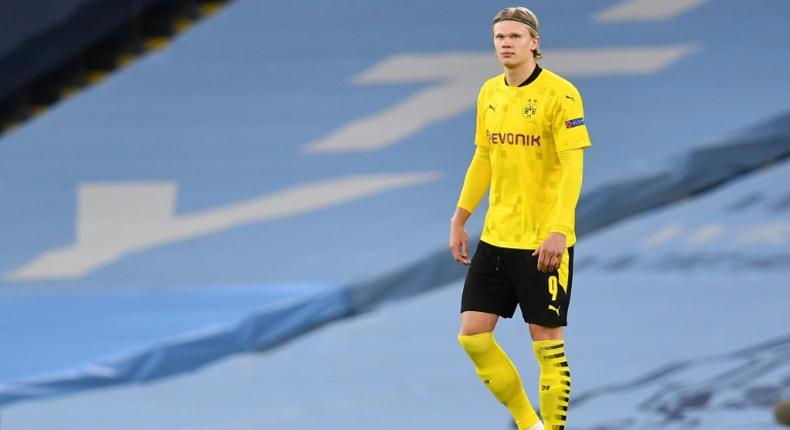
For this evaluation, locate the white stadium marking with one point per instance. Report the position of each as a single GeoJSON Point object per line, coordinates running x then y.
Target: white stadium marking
{"type": "Point", "coordinates": [768, 233]}
{"type": "Point", "coordinates": [646, 10]}
{"type": "Point", "coordinates": [459, 77]}
{"type": "Point", "coordinates": [706, 234]}
{"type": "Point", "coordinates": [663, 236]}
{"type": "Point", "coordinates": [116, 219]}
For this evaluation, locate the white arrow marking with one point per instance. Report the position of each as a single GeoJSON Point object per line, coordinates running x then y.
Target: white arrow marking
{"type": "Point", "coordinates": [772, 233]}
{"type": "Point", "coordinates": [706, 234]}
{"type": "Point", "coordinates": [115, 219]}
{"type": "Point", "coordinates": [646, 10]}
{"type": "Point", "coordinates": [460, 76]}
{"type": "Point", "coordinates": [663, 236]}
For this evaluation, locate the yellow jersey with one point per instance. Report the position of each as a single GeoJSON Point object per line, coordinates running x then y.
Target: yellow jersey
{"type": "Point", "coordinates": [521, 135]}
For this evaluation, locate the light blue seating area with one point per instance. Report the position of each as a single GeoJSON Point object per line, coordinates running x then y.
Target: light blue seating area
{"type": "Point", "coordinates": [247, 229]}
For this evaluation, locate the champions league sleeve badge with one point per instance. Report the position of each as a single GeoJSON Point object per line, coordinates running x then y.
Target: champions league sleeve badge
{"type": "Point", "coordinates": [574, 122]}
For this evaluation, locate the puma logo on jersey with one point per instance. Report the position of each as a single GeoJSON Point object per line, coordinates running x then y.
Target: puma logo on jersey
{"type": "Point", "coordinates": [557, 309]}
{"type": "Point", "coordinates": [492, 107]}
{"type": "Point", "coordinates": [570, 98]}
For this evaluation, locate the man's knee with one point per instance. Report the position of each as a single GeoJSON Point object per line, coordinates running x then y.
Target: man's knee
{"type": "Point", "coordinates": [473, 323]}
{"type": "Point", "coordinates": [539, 332]}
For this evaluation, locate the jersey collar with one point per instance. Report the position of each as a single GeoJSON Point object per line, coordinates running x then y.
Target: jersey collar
{"type": "Point", "coordinates": [531, 78]}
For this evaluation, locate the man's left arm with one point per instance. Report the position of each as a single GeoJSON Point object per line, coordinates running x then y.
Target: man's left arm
{"type": "Point", "coordinates": [570, 137]}
{"type": "Point", "coordinates": [563, 218]}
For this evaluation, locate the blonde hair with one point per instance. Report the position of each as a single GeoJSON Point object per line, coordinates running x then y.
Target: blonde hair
{"type": "Point", "coordinates": [524, 16]}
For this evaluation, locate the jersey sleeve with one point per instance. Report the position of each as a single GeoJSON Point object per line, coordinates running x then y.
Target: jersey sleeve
{"type": "Point", "coordinates": [481, 140]}
{"type": "Point", "coordinates": [477, 181]}
{"type": "Point", "coordinates": [570, 130]}
{"type": "Point", "coordinates": [478, 176]}
{"type": "Point", "coordinates": [570, 185]}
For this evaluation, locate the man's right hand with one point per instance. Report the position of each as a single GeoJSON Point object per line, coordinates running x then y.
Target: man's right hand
{"type": "Point", "coordinates": [458, 237]}
{"type": "Point", "coordinates": [458, 244]}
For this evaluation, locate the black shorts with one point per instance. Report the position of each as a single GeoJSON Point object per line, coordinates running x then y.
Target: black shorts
{"type": "Point", "coordinates": [500, 278]}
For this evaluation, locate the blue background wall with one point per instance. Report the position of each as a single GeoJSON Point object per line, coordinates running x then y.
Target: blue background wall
{"type": "Point", "coordinates": [159, 223]}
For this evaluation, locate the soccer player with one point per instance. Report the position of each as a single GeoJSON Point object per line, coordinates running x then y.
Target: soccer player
{"type": "Point", "coordinates": [529, 145]}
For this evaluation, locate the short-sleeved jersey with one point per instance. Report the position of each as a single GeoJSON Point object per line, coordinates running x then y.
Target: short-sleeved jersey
{"type": "Point", "coordinates": [524, 128]}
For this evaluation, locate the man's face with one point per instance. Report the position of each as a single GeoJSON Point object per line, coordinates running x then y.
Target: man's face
{"type": "Point", "coordinates": [513, 43]}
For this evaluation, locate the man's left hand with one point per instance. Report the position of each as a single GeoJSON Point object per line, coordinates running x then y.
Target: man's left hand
{"type": "Point", "coordinates": [550, 252]}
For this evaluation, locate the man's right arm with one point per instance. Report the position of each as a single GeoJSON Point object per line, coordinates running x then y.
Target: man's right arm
{"type": "Point", "coordinates": [476, 183]}
{"type": "Point", "coordinates": [478, 178]}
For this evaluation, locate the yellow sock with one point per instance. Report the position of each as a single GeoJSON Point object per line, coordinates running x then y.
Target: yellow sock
{"type": "Point", "coordinates": [555, 383]}
{"type": "Point", "coordinates": [499, 374]}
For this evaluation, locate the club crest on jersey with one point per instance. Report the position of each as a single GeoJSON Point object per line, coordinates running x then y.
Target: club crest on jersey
{"type": "Point", "coordinates": [574, 122]}
{"type": "Point", "coordinates": [530, 109]}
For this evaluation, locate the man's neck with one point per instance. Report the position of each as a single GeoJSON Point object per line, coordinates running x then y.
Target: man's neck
{"type": "Point", "coordinates": [517, 75]}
